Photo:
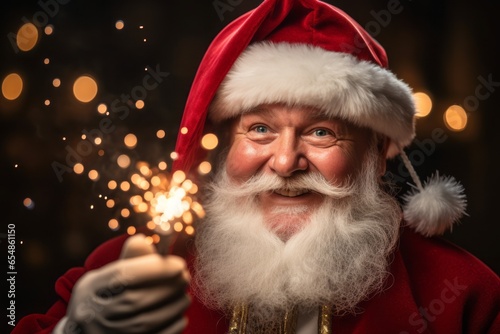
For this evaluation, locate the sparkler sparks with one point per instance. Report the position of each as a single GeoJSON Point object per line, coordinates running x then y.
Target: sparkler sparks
{"type": "Point", "coordinates": [132, 185]}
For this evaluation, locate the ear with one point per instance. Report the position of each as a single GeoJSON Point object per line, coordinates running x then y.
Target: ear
{"type": "Point", "coordinates": [383, 143]}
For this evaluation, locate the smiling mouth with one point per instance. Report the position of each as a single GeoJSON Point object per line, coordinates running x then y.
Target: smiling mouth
{"type": "Point", "coordinates": [291, 193]}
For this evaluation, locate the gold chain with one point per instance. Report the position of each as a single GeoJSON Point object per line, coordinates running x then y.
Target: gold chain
{"type": "Point", "coordinates": [239, 319]}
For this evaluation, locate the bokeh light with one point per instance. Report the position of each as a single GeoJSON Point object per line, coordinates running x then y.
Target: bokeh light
{"type": "Point", "coordinates": [112, 184]}
{"type": "Point", "coordinates": [423, 104]}
{"type": "Point", "coordinates": [125, 186]}
{"type": "Point", "coordinates": [162, 165]}
{"type": "Point", "coordinates": [119, 25]}
{"type": "Point", "coordinates": [78, 168]}
{"type": "Point", "coordinates": [102, 108]}
{"type": "Point", "coordinates": [56, 82]}
{"type": "Point", "coordinates": [209, 141]}
{"type": "Point", "coordinates": [130, 140]}
{"type": "Point", "coordinates": [160, 134]}
{"type": "Point", "coordinates": [12, 86]}
{"type": "Point", "coordinates": [113, 224]}
{"type": "Point", "coordinates": [455, 118]}
{"type": "Point", "coordinates": [93, 175]}
{"type": "Point", "coordinates": [139, 104]}
{"type": "Point", "coordinates": [27, 37]}
{"type": "Point", "coordinates": [49, 29]}
{"type": "Point", "coordinates": [123, 161]}
{"type": "Point", "coordinates": [85, 89]}
{"type": "Point", "coordinates": [205, 167]}
{"type": "Point", "coordinates": [28, 203]}
{"type": "Point", "coordinates": [125, 213]}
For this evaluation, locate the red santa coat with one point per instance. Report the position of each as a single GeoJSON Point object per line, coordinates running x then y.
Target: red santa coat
{"type": "Point", "coordinates": [434, 287]}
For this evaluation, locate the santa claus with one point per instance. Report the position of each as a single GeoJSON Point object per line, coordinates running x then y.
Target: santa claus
{"type": "Point", "coordinates": [301, 235]}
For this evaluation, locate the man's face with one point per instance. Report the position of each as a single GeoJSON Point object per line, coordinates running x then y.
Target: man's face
{"type": "Point", "coordinates": [296, 216]}
{"type": "Point", "coordinates": [288, 141]}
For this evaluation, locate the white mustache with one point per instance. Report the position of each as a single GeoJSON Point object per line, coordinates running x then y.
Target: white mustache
{"type": "Point", "coordinates": [261, 183]}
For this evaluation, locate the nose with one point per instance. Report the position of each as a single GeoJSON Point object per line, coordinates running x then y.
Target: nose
{"type": "Point", "coordinates": [288, 156]}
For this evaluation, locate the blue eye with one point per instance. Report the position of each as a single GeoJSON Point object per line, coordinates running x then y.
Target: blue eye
{"type": "Point", "coordinates": [321, 132]}
{"type": "Point", "coordinates": [261, 129]}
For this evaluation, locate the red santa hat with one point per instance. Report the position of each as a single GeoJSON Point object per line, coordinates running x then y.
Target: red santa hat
{"type": "Point", "coordinates": [307, 52]}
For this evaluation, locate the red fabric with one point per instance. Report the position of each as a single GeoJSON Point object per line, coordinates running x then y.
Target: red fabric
{"type": "Point", "coordinates": [434, 287]}
{"type": "Point", "coordinates": [293, 21]}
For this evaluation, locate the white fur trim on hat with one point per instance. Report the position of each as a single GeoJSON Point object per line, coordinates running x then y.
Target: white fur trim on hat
{"type": "Point", "coordinates": [337, 83]}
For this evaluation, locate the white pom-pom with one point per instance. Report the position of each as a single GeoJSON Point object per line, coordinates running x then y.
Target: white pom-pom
{"type": "Point", "coordinates": [434, 210]}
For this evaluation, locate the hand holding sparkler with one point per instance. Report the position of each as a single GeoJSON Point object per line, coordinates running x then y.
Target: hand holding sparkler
{"type": "Point", "coordinates": [142, 292]}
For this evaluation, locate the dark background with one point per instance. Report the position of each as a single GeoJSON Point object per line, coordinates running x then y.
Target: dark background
{"type": "Point", "coordinates": [441, 47]}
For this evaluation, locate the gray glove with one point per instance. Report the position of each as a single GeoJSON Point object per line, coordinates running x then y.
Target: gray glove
{"type": "Point", "coordinates": [142, 292]}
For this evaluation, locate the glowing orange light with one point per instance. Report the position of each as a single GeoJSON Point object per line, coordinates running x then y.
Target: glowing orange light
{"type": "Point", "coordinates": [184, 130]}
{"type": "Point", "coordinates": [174, 155]}
{"type": "Point", "coordinates": [455, 118]}
{"type": "Point", "coordinates": [135, 200]}
{"type": "Point", "coordinates": [178, 176]}
{"type": "Point", "coordinates": [205, 167]}
{"type": "Point", "coordinates": [139, 104]}
{"type": "Point", "coordinates": [49, 29]}
{"type": "Point", "coordinates": [142, 207]}
{"type": "Point", "coordinates": [209, 141]}
{"type": "Point", "coordinates": [162, 165]}
{"type": "Point", "coordinates": [131, 230]}
{"type": "Point", "coordinates": [151, 225]}
{"type": "Point", "coordinates": [123, 161]}
{"type": "Point", "coordinates": [160, 134]}
{"type": "Point", "coordinates": [113, 224]}
{"type": "Point", "coordinates": [27, 37]}
{"type": "Point", "coordinates": [78, 168]}
{"type": "Point", "coordinates": [156, 238]}
{"type": "Point", "coordinates": [112, 184]}
{"type": "Point", "coordinates": [145, 170]}
{"type": "Point", "coordinates": [85, 89]}
{"type": "Point", "coordinates": [130, 140]}
{"type": "Point", "coordinates": [46, 61]}
{"type": "Point", "coordinates": [110, 203]}
{"type": "Point", "coordinates": [178, 227]}
{"type": "Point", "coordinates": [125, 212]}
{"type": "Point", "coordinates": [155, 181]}
{"type": "Point", "coordinates": [194, 189]}
{"type": "Point", "coordinates": [56, 82]}
{"type": "Point", "coordinates": [187, 217]}
{"type": "Point", "coordinates": [125, 186]}
{"type": "Point", "coordinates": [93, 175]}
{"type": "Point", "coordinates": [135, 178]}
{"type": "Point", "coordinates": [12, 86]}
{"type": "Point", "coordinates": [28, 203]}
{"type": "Point", "coordinates": [189, 230]}
{"type": "Point", "coordinates": [119, 25]}
{"type": "Point", "coordinates": [423, 104]}
{"type": "Point", "coordinates": [102, 108]}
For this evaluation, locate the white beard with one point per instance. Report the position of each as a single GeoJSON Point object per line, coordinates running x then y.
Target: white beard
{"type": "Point", "coordinates": [338, 259]}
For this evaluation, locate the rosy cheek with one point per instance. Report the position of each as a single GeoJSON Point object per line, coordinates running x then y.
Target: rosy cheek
{"type": "Point", "coordinates": [243, 161]}
{"type": "Point", "coordinates": [335, 166]}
